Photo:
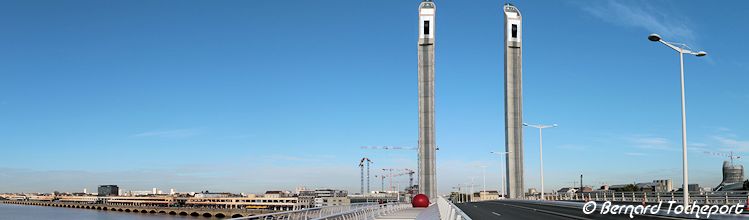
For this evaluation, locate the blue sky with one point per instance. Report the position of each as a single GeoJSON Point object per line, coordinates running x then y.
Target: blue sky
{"type": "Point", "coordinates": [248, 96]}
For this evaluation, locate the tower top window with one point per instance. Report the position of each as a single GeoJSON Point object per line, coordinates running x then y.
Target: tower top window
{"type": "Point", "coordinates": [426, 27]}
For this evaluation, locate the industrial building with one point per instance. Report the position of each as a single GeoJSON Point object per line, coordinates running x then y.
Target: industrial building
{"type": "Point", "coordinates": [733, 177]}
{"type": "Point", "coordinates": [108, 190]}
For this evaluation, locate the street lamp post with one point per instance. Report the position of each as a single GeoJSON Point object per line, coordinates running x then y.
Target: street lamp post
{"type": "Point", "coordinates": [471, 194]}
{"type": "Point", "coordinates": [681, 49]}
{"type": "Point", "coordinates": [541, 150]}
{"type": "Point", "coordinates": [483, 174]}
{"type": "Point", "coordinates": [502, 168]}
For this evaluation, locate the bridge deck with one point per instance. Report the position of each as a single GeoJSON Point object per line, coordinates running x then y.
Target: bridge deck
{"type": "Point", "coordinates": [413, 214]}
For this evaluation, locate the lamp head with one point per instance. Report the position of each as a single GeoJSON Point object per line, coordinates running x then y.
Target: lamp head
{"type": "Point", "coordinates": [525, 124]}
{"type": "Point", "coordinates": [554, 125]}
{"type": "Point", "coordinates": [654, 37]}
{"type": "Point", "coordinates": [701, 54]}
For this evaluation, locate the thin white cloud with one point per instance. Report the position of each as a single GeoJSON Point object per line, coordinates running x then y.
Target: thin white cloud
{"type": "Point", "coordinates": [634, 154]}
{"type": "Point", "coordinates": [697, 144]}
{"type": "Point", "coordinates": [641, 14]}
{"type": "Point", "coordinates": [177, 133]}
{"type": "Point", "coordinates": [723, 129]}
{"type": "Point", "coordinates": [305, 158]}
{"type": "Point", "coordinates": [653, 143]}
{"type": "Point", "coordinates": [732, 143]}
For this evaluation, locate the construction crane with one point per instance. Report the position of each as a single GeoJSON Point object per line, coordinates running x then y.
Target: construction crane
{"type": "Point", "coordinates": [390, 176]}
{"type": "Point", "coordinates": [382, 182]}
{"type": "Point", "coordinates": [362, 162]}
{"type": "Point", "coordinates": [387, 148]}
{"type": "Point", "coordinates": [390, 148]}
{"type": "Point", "coordinates": [410, 174]}
{"type": "Point", "coordinates": [730, 155]}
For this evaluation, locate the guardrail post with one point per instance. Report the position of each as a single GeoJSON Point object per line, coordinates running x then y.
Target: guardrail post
{"type": "Point", "coordinates": [707, 201]}
{"type": "Point", "coordinates": [726, 201]}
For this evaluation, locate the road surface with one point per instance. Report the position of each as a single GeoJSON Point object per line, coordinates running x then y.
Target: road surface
{"type": "Point", "coordinates": [508, 209]}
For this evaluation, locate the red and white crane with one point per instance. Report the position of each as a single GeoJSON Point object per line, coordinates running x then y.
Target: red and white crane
{"type": "Point", "coordinates": [364, 161]}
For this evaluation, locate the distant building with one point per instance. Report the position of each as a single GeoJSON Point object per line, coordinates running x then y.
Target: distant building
{"type": "Point", "coordinates": [320, 193]}
{"type": "Point", "coordinates": [139, 193]}
{"type": "Point", "coordinates": [733, 177]}
{"type": "Point", "coordinates": [532, 191]}
{"type": "Point", "coordinates": [276, 194]}
{"type": "Point", "coordinates": [212, 195]}
{"type": "Point", "coordinates": [694, 188]}
{"type": "Point", "coordinates": [306, 198]}
{"type": "Point", "coordinates": [731, 187]}
{"type": "Point", "coordinates": [374, 197]}
{"type": "Point", "coordinates": [459, 197]}
{"type": "Point", "coordinates": [487, 195]}
{"type": "Point", "coordinates": [645, 187]}
{"type": "Point", "coordinates": [332, 201]}
{"type": "Point", "coordinates": [665, 185]}
{"type": "Point", "coordinates": [732, 173]}
{"type": "Point", "coordinates": [566, 191]}
{"type": "Point", "coordinates": [604, 188]}
{"type": "Point", "coordinates": [108, 190]}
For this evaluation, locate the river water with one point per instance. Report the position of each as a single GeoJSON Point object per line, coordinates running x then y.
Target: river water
{"type": "Point", "coordinates": [28, 212]}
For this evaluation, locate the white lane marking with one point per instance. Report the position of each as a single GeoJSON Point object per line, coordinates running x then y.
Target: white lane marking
{"type": "Point", "coordinates": [497, 214]}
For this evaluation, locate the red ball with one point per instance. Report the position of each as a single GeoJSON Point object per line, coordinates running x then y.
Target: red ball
{"type": "Point", "coordinates": [420, 201]}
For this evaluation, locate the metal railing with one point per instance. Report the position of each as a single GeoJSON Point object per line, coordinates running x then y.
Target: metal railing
{"type": "Point", "coordinates": [367, 212]}
{"type": "Point", "coordinates": [353, 211]}
{"type": "Point", "coordinates": [448, 210]}
{"type": "Point", "coordinates": [708, 198]}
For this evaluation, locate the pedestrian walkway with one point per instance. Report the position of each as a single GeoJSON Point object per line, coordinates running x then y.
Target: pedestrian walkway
{"type": "Point", "coordinates": [430, 213]}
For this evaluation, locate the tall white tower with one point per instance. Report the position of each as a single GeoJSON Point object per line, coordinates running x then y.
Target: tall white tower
{"type": "Point", "coordinates": [427, 144]}
{"type": "Point", "coordinates": [514, 101]}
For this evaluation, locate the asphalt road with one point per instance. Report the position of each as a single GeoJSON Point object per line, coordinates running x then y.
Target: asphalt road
{"type": "Point", "coordinates": [524, 210]}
